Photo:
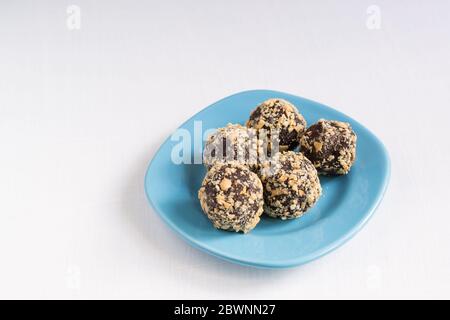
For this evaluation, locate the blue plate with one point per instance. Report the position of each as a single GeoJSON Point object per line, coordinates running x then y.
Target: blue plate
{"type": "Point", "coordinates": [346, 205]}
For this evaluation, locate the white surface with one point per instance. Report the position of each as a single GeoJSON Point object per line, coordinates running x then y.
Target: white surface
{"type": "Point", "coordinates": [83, 111]}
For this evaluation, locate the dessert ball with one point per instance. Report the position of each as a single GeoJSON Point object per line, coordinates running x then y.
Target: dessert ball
{"type": "Point", "coordinates": [231, 144]}
{"type": "Point", "coordinates": [331, 146]}
{"type": "Point", "coordinates": [232, 197]}
{"type": "Point", "coordinates": [281, 117]}
{"type": "Point", "coordinates": [291, 185]}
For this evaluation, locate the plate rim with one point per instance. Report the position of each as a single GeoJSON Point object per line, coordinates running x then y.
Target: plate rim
{"type": "Point", "coordinates": [285, 263]}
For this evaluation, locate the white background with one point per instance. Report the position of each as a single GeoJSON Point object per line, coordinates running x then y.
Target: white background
{"type": "Point", "coordinates": [83, 111]}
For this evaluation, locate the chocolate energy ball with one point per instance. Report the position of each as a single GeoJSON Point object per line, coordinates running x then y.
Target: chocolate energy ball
{"type": "Point", "coordinates": [291, 185]}
{"type": "Point", "coordinates": [331, 146]}
{"type": "Point", "coordinates": [278, 115]}
{"type": "Point", "coordinates": [232, 197]}
{"type": "Point", "coordinates": [231, 144]}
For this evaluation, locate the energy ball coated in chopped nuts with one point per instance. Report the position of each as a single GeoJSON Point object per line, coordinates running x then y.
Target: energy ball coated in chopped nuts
{"type": "Point", "coordinates": [291, 185]}
{"type": "Point", "coordinates": [231, 144]}
{"type": "Point", "coordinates": [232, 197]}
{"type": "Point", "coordinates": [281, 116]}
{"type": "Point", "coordinates": [331, 146]}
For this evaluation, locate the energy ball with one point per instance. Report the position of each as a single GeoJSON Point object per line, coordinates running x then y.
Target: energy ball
{"type": "Point", "coordinates": [232, 197]}
{"type": "Point", "coordinates": [291, 185]}
{"type": "Point", "coordinates": [231, 144]}
{"type": "Point", "coordinates": [331, 146]}
{"type": "Point", "coordinates": [278, 115]}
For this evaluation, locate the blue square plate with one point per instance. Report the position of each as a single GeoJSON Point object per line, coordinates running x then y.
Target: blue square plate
{"type": "Point", "coordinates": [346, 205]}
